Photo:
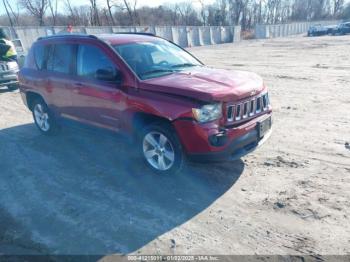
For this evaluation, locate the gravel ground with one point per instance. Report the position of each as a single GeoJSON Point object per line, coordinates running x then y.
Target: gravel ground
{"type": "Point", "coordinates": [82, 192]}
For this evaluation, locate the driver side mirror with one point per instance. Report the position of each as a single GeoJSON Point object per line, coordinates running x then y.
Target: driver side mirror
{"type": "Point", "coordinates": [108, 75]}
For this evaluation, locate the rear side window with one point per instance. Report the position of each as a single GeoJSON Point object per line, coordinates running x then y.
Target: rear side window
{"type": "Point", "coordinates": [40, 56]}
{"type": "Point", "coordinates": [61, 58]}
{"type": "Point", "coordinates": [90, 59]}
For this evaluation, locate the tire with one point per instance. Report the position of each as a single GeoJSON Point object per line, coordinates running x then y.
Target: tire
{"type": "Point", "coordinates": [43, 118]}
{"type": "Point", "coordinates": [12, 87]}
{"type": "Point", "coordinates": [161, 149]}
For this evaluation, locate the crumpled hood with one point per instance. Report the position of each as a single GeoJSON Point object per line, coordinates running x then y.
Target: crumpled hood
{"type": "Point", "coordinates": [207, 84]}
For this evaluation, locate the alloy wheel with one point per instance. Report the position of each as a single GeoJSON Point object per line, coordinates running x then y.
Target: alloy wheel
{"type": "Point", "coordinates": [158, 151]}
{"type": "Point", "coordinates": [41, 117]}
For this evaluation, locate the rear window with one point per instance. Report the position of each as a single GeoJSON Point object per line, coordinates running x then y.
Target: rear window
{"type": "Point", "coordinates": [40, 56]}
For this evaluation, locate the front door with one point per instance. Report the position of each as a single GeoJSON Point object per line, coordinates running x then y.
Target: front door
{"type": "Point", "coordinates": [96, 96]}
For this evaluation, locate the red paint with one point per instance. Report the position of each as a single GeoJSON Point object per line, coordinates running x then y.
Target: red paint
{"type": "Point", "coordinates": [171, 97]}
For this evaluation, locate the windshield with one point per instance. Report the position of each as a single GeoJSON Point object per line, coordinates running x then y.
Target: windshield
{"type": "Point", "coordinates": [155, 59]}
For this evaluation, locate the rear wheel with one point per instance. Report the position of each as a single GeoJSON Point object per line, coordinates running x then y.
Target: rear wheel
{"type": "Point", "coordinates": [43, 118]}
{"type": "Point", "coordinates": [161, 149]}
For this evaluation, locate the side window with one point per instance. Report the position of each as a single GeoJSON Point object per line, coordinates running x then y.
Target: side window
{"type": "Point", "coordinates": [90, 59]}
{"type": "Point", "coordinates": [40, 56]}
{"type": "Point", "coordinates": [61, 58]}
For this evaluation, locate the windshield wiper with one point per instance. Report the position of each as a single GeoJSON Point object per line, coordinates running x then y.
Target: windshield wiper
{"type": "Point", "coordinates": [183, 65]}
{"type": "Point", "coordinates": [158, 71]}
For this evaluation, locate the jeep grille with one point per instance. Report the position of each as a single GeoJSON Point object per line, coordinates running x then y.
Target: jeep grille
{"type": "Point", "coordinates": [248, 109]}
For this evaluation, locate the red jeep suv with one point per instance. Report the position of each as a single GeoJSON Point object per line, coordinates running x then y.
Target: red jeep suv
{"type": "Point", "coordinates": [145, 86]}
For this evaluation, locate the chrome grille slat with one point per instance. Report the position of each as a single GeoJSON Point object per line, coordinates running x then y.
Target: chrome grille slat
{"type": "Point", "coordinates": [258, 105]}
{"type": "Point", "coordinates": [247, 109]}
{"type": "Point", "coordinates": [230, 113]}
{"type": "Point", "coordinates": [238, 112]}
{"type": "Point", "coordinates": [252, 107]}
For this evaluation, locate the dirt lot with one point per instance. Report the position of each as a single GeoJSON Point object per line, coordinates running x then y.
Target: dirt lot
{"type": "Point", "coordinates": [83, 193]}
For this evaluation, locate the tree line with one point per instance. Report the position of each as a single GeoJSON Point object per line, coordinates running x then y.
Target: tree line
{"type": "Point", "coordinates": [246, 13]}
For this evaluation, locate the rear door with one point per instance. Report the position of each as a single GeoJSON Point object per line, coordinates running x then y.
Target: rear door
{"type": "Point", "coordinates": [33, 75]}
{"type": "Point", "coordinates": [96, 101]}
{"type": "Point", "coordinates": [60, 68]}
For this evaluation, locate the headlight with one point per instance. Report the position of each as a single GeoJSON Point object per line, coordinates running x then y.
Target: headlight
{"type": "Point", "coordinates": [207, 112]}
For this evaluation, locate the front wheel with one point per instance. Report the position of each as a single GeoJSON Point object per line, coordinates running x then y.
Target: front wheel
{"type": "Point", "coordinates": [161, 149]}
{"type": "Point", "coordinates": [43, 118]}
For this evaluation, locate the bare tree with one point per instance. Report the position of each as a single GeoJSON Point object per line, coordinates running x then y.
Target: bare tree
{"type": "Point", "coordinates": [7, 12]}
{"type": "Point", "coordinates": [203, 12]}
{"type": "Point", "coordinates": [37, 8]}
{"type": "Point", "coordinates": [72, 15]}
{"type": "Point", "coordinates": [95, 18]}
{"type": "Point", "coordinates": [110, 5]}
{"type": "Point", "coordinates": [236, 8]}
{"type": "Point", "coordinates": [186, 15]}
{"type": "Point", "coordinates": [346, 12]}
{"type": "Point", "coordinates": [53, 10]}
{"type": "Point", "coordinates": [246, 13]}
{"type": "Point", "coordinates": [13, 13]}
{"type": "Point", "coordinates": [222, 12]}
{"type": "Point", "coordinates": [131, 9]}
{"type": "Point", "coordinates": [338, 6]}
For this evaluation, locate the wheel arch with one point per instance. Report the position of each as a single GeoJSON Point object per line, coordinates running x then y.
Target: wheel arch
{"type": "Point", "coordinates": [142, 119]}
{"type": "Point", "coordinates": [31, 97]}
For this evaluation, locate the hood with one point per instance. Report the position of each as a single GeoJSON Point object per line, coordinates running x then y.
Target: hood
{"type": "Point", "coordinates": [207, 84]}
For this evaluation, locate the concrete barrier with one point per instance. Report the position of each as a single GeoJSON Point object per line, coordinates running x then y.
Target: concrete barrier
{"type": "Point", "coordinates": [204, 35]}
{"type": "Point", "coordinates": [145, 29]}
{"type": "Point", "coordinates": [237, 33]}
{"type": "Point", "coordinates": [123, 29]}
{"type": "Point", "coordinates": [261, 32]}
{"type": "Point", "coordinates": [180, 36]}
{"type": "Point", "coordinates": [165, 32]}
{"type": "Point", "coordinates": [95, 30]}
{"type": "Point", "coordinates": [283, 30]}
{"type": "Point", "coordinates": [215, 35]}
{"type": "Point", "coordinates": [63, 30]}
{"type": "Point", "coordinates": [227, 34]}
{"type": "Point", "coordinates": [192, 36]}
{"type": "Point", "coordinates": [30, 35]}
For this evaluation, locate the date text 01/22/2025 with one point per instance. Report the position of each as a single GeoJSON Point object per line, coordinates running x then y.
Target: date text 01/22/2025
{"type": "Point", "coordinates": [172, 258]}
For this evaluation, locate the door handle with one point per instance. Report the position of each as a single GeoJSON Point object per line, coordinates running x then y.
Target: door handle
{"type": "Point", "coordinates": [78, 85]}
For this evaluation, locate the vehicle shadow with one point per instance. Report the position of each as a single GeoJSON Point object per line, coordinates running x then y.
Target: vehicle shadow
{"type": "Point", "coordinates": [84, 192]}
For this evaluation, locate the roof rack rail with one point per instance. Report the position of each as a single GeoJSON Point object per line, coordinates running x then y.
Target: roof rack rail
{"type": "Point", "coordinates": [135, 33]}
{"type": "Point", "coordinates": [68, 34]}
